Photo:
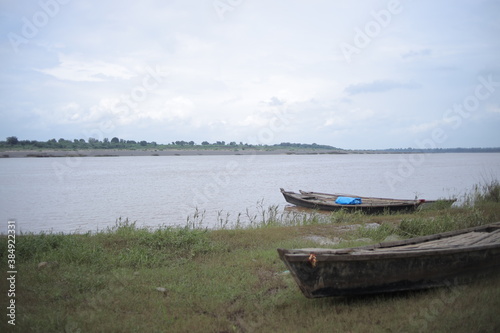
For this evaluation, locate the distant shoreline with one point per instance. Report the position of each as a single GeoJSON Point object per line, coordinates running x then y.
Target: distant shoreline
{"type": "Point", "coordinates": [158, 152]}
{"type": "Point", "coordinates": [209, 152]}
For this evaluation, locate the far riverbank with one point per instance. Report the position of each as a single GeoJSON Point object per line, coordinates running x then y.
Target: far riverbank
{"type": "Point", "coordinates": [161, 152]}
{"type": "Point", "coordinates": [265, 150]}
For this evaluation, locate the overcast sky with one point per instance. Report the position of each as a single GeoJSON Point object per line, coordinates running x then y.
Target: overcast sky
{"type": "Point", "coordinates": [351, 74]}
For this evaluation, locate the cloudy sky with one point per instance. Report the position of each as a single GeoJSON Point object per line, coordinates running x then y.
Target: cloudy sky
{"type": "Point", "coordinates": [351, 74]}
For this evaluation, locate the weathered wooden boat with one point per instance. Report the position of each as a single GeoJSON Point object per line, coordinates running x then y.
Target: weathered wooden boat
{"type": "Point", "coordinates": [328, 202]}
{"type": "Point", "coordinates": [419, 263]}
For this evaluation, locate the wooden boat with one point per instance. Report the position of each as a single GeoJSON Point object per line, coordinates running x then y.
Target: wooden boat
{"type": "Point", "coordinates": [325, 201]}
{"type": "Point", "coordinates": [431, 261]}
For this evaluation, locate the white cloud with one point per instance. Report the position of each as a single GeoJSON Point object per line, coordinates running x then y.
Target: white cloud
{"type": "Point", "coordinates": [255, 120]}
{"type": "Point", "coordinates": [73, 68]}
{"type": "Point", "coordinates": [417, 53]}
{"type": "Point", "coordinates": [493, 108]}
{"type": "Point", "coordinates": [114, 110]}
{"type": "Point", "coordinates": [379, 86]}
{"type": "Point", "coordinates": [424, 127]}
{"type": "Point", "coordinates": [345, 118]}
{"type": "Point", "coordinates": [178, 107]}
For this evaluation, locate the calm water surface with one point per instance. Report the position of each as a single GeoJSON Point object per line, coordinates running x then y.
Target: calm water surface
{"type": "Point", "coordinates": [82, 194]}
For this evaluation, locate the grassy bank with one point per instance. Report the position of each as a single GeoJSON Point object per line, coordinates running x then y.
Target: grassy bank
{"type": "Point", "coordinates": [130, 279]}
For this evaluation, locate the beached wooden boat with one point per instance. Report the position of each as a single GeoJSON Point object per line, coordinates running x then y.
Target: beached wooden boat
{"type": "Point", "coordinates": [431, 261]}
{"type": "Point", "coordinates": [325, 201]}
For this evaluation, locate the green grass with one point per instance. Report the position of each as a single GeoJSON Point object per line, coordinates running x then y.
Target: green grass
{"type": "Point", "coordinates": [231, 279]}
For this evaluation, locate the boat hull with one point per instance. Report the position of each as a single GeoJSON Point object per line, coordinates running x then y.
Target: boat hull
{"type": "Point", "coordinates": [379, 269]}
{"type": "Point", "coordinates": [328, 203]}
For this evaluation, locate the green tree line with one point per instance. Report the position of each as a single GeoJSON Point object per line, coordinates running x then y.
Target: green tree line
{"type": "Point", "coordinates": [13, 142]}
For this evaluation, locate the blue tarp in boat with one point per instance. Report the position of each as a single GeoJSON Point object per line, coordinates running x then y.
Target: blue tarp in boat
{"type": "Point", "coordinates": [348, 201]}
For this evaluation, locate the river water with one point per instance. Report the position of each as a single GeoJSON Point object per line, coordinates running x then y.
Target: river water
{"type": "Point", "coordinates": [90, 193]}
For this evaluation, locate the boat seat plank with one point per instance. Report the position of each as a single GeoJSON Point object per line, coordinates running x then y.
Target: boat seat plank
{"type": "Point", "coordinates": [465, 239]}
{"type": "Point", "coordinates": [468, 239]}
{"type": "Point", "coordinates": [490, 238]}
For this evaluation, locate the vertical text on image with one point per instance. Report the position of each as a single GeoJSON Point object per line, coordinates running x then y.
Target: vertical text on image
{"type": "Point", "coordinates": [11, 271]}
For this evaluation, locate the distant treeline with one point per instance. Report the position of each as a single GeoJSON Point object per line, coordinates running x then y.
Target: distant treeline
{"type": "Point", "coordinates": [13, 142]}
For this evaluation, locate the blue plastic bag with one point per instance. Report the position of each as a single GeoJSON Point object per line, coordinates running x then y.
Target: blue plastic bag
{"type": "Point", "coordinates": [348, 201]}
